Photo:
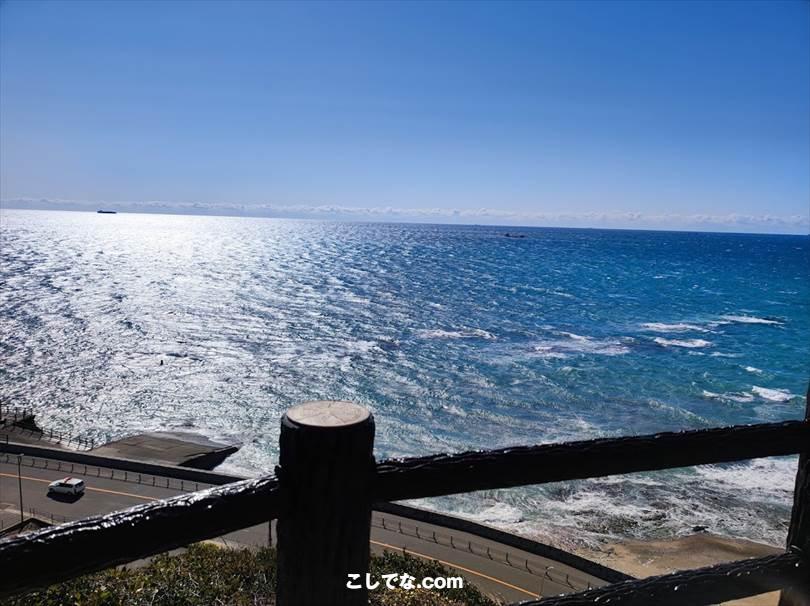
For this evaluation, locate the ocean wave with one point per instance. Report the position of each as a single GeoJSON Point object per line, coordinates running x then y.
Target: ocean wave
{"type": "Point", "coordinates": [498, 514]}
{"type": "Point", "coordinates": [580, 345]}
{"type": "Point", "coordinates": [548, 351]}
{"type": "Point", "coordinates": [741, 397]}
{"type": "Point", "coordinates": [749, 320]}
{"type": "Point", "coordinates": [475, 333]}
{"type": "Point", "coordinates": [574, 336]}
{"type": "Point", "coordinates": [752, 369]}
{"type": "Point", "coordinates": [677, 327]}
{"type": "Point", "coordinates": [690, 343]}
{"type": "Point", "coordinates": [768, 476]}
{"type": "Point", "coordinates": [453, 409]}
{"type": "Point", "coordinates": [774, 395]}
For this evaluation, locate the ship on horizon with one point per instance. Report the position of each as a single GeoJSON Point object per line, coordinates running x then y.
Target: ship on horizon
{"type": "Point", "coordinates": [107, 212]}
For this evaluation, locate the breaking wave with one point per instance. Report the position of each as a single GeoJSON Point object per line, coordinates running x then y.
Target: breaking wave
{"type": "Point", "coordinates": [677, 327]}
{"type": "Point", "coordinates": [774, 395]}
{"type": "Point", "coordinates": [688, 343]}
{"type": "Point", "coordinates": [475, 333]}
{"type": "Point", "coordinates": [574, 345]}
{"type": "Point", "coordinates": [750, 320]}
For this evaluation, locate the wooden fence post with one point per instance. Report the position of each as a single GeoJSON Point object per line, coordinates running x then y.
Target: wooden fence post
{"type": "Point", "coordinates": [799, 531]}
{"type": "Point", "coordinates": [326, 470]}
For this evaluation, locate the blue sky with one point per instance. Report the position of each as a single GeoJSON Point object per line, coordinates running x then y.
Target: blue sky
{"type": "Point", "coordinates": [637, 114]}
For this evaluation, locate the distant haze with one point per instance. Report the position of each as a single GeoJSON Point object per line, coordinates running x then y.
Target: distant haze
{"type": "Point", "coordinates": [651, 115]}
{"type": "Point", "coordinates": [796, 224]}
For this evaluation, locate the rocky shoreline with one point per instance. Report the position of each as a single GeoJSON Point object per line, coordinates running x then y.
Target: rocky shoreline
{"type": "Point", "coordinates": [649, 558]}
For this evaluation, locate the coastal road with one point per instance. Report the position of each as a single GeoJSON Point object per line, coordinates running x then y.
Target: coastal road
{"type": "Point", "coordinates": [499, 570]}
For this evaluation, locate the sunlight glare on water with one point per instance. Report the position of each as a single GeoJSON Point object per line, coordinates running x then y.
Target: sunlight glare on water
{"type": "Point", "coordinates": [456, 337]}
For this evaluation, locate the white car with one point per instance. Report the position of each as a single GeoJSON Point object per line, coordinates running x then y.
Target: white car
{"type": "Point", "coordinates": [67, 486]}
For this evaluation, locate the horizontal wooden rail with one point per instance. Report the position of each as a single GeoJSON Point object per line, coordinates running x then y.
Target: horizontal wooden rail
{"type": "Point", "coordinates": [446, 474]}
{"type": "Point", "coordinates": [698, 587]}
{"type": "Point", "coordinates": [39, 559]}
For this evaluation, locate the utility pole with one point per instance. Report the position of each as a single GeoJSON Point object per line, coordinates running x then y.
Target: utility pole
{"type": "Point", "coordinates": [19, 482]}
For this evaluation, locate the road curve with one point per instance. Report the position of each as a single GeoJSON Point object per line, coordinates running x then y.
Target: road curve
{"type": "Point", "coordinates": [501, 571]}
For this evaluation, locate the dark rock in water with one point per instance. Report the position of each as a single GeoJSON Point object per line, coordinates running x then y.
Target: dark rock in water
{"type": "Point", "coordinates": [700, 528]}
{"type": "Point", "coordinates": [508, 235]}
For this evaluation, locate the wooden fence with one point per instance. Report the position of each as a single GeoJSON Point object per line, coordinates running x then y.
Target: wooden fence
{"type": "Point", "coordinates": [327, 480]}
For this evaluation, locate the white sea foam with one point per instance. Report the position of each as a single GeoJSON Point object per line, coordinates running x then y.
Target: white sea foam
{"type": "Point", "coordinates": [474, 333]}
{"type": "Point", "coordinates": [753, 369]}
{"type": "Point", "coordinates": [741, 397]}
{"type": "Point", "coordinates": [353, 298]}
{"type": "Point", "coordinates": [577, 345]}
{"type": "Point", "coordinates": [677, 327]}
{"type": "Point", "coordinates": [547, 351]}
{"type": "Point", "coordinates": [576, 337]}
{"type": "Point", "coordinates": [749, 320]}
{"type": "Point", "coordinates": [690, 343]}
{"type": "Point", "coordinates": [770, 476]}
{"type": "Point", "coordinates": [774, 395]}
{"type": "Point", "coordinates": [453, 409]}
{"type": "Point", "coordinates": [497, 515]}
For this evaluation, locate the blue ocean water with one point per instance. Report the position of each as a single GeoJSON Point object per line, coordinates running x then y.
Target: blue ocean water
{"type": "Point", "coordinates": [457, 338]}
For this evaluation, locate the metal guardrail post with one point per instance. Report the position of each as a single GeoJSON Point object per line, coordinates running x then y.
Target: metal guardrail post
{"type": "Point", "coordinates": [326, 471]}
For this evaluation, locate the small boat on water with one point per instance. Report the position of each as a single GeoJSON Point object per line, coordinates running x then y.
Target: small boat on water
{"type": "Point", "coordinates": [107, 212]}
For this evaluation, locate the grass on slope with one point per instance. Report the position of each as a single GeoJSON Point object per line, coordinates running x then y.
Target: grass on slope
{"type": "Point", "coordinates": [206, 575]}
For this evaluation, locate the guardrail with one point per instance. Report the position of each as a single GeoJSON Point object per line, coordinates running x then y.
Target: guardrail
{"type": "Point", "coordinates": [14, 413]}
{"type": "Point", "coordinates": [327, 479]}
{"type": "Point", "coordinates": [53, 518]}
{"type": "Point", "coordinates": [410, 527]}
{"type": "Point", "coordinates": [13, 416]}
{"type": "Point", "coordinates": [108, 473]}
{"type": "Point", "coordinates": [47, 516]}
{"type": "Point", "coordinates": [49, 435]}
{"type": "Point", "coordinates": [544, 572]}
{"type": "Point", "coordinates": [190, 474]}
{"type": "Point", "coordinates": [521, 545]}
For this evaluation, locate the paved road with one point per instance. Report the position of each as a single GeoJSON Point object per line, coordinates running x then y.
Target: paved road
{"type": "Point", "coordinates": [500, 571]}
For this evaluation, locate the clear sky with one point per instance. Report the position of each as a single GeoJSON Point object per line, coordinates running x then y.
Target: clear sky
{"type": "Point", "coordinates": [629, 114]}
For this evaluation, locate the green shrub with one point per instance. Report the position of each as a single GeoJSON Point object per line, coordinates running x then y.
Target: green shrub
{"type": "Point", "coordinates": [206, 575]}
{"type": "Point", "coordinates": [419, 568]}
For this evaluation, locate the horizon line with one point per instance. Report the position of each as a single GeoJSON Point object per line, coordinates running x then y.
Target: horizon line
{"type": "Point", "coordinates": [417, 216]}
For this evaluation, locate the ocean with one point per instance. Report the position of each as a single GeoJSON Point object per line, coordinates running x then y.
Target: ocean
{"type": "Point", "coordinates": [456, 337]}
